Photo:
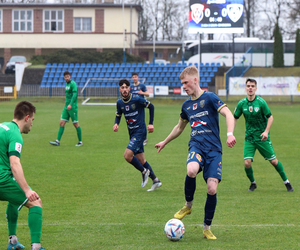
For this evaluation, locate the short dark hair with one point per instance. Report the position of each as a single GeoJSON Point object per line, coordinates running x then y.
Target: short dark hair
{"type": "Point", "coordinates": [134, 74]}
{"type": "Point", "coordinates": [22, 109]}
{"type": "Point", "coordinates": [251, 80]}
{"type": "Point", "coordinates": [67, 73]}
{"type": "Point", "coordinates": [122, 81]}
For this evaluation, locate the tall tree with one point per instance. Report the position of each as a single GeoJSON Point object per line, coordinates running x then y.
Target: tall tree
{"type": "Point", "coordinates": [278, 60]}
{"type": "Point", "coordinates": [297, 49]}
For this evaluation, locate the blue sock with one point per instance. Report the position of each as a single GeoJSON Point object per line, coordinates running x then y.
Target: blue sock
{"type": "Point", "coordinates": [210, 207]}
{"type": "Point", "coordinates": [189, 188]}
{"type": "Point", "coordinates": [152, 175]}
{"type": "Point", "coordinates": [136, 163]}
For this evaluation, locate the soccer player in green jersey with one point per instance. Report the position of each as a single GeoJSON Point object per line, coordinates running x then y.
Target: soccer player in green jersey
{"type": "Point", "coordinates": [70, 111]}
{"type": "Point", "coordinates": [259, 120]}
{"type": "Point", "coordinates": [13, 185]}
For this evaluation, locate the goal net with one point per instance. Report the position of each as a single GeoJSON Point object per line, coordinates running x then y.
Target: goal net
{"type": "Point", "coordinates": [101, 91]}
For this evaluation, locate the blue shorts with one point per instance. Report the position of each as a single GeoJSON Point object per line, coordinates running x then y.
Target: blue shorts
{"type": "Point", "coordinates": [210, 162]}
{"type": "Point", "coordinates": [136, 144]}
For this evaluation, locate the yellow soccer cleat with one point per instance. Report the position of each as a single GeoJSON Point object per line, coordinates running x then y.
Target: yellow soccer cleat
{"type": "Point", "coordinates": [209, 235]}
{"type": "Point", "coordinates": [183, 212]}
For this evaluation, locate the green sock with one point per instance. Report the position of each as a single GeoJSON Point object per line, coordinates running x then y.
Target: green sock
{"type": "Point", "coordinates": [35, 223]}
{"type": "Point", "coordinates": [12, 215]}
{"type": "Point", "coordinates": [60, 133]}
{"type": "Point", "coordinates": [249, 173]}
{"type": "Point", "coordinates": [280, 170]}
{"type": "Point", "coordinates": [78, 129]}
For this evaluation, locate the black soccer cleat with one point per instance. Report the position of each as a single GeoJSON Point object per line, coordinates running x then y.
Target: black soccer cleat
{"type": "Point", "coordinates": [252, 187]}
{"type": "Point", "coordinates": [289, 187]}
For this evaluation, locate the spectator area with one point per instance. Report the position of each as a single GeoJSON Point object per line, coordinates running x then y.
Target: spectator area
{"type": "Point", "coordinates": [154, 74]}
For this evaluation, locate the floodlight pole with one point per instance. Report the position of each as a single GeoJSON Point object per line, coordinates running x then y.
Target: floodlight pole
{"type": "Point", "coordinates": [154, 34]}
{"type": "Point", "coordinates": [199, 52]}
{"type": "Point", "coordinates": [124, 55]}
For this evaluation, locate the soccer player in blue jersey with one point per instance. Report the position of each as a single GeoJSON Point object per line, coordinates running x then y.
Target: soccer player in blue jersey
{"type": "Point", "coordinates": [201, 111]}
{"type": "Point", "coordinates": [133, 108]}
{"type": "Point", "coordinates": [139, 89]}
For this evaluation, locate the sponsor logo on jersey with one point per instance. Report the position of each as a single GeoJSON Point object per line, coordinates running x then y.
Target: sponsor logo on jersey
{"type": "Point", "coordinates": [202, 103]}
{"type": "Point", "coordinates": [4, 126]}
{"type": "Point", "coordinates": [250, 108]}
{"type": "Point", "coordinates": [131, 121]}
{"type": "Point", "coordinates": [18, 147]}
{"type": "Point", "coordinates": [67, 87]}
{"type": "Point", "coordinates": [220, 163]}
{"type": "Point", "coordinates": [127, 108]}
{"type": "Point", "coordinates": [198, 123]}
{"type": "Point", "coordinates": [199, 158]}
{"type": "Point", "coordinates": [199, 114]}
{"type": "Point", "coordinates": [194, 106]}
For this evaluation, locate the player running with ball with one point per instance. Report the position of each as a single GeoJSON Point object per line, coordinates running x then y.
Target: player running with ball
{"type": "Point", "coordinates": [201, 111]}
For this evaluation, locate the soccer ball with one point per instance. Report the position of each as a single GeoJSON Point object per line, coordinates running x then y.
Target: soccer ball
{"type": "Point", "coordinates": [174, 229]}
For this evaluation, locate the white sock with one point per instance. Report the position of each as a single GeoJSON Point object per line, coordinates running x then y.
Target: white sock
{"type": "Point", "coordinates": [13, 239]}
{"type": "Point", "coordinates": [35, 246]}
{"type": "Point", "coordinates": [189, 204]}
{"type": "Point", "coordinates": [206, 227]}
{"type": "Point", "coordinates": [287, 181]}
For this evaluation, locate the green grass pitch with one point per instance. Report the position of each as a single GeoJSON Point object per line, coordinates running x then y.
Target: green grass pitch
{"type": "Point", "coordinates": [92, 198]}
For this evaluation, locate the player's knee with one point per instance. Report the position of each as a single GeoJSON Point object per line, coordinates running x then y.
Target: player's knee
{"type": "Point", "coordinates": [274, 162]}
{"type": "Point", "coordinates": [128, 157]}
{"type": "Point", "coordinates": [36, 203]}
{"type": "Point", "coordinates": [247, 163]}
{"type": "Point", "coordinates": [192, 173]}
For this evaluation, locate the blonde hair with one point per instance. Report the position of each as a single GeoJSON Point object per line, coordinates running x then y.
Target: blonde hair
{"type": "Point", "coordinates": [191, 71]}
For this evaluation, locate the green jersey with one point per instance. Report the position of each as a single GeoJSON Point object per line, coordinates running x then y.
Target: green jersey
{"type": "Point", "coordinates": [256, 115]}
{"type": "Point", "coordinates": [11, 143]}
{"type": "Point", "coordinates": [71, 94]}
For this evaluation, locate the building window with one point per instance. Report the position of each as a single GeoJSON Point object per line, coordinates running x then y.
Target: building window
{"type": "Point", "coordinates": [82, 24]}
{"type": "Point", "coordinates": [1, 21]}
{"type": "Point", "coordinates": [53, 20]}
{"type": "Point", "coordinates": [173, 55]}
{"type": "Point", "coordinates": [22, 20]}
{"type": "Point", "coordinates": [158, 55]}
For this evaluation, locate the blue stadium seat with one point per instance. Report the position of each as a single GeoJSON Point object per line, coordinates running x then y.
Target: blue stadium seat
{"type": "Point", "coordinates": [215, 69]}
{"type": "Point", "coordinates": [94, 65]}
{"type": "Point", "coordinates": [133, 64]}
{"type": "Point", "coordinates": [105, 65]}
{"type": "Point", "coordinates": [54, 65]}
{"type": "Point", "coordinates": [96, 74]}
{"type": "Point", "coordinates": [82, 65]}
{"type": "Point", "coordinates": [111, 65]}
{"type": "Point", "coordinates": [88, 65]}
{"type": "Point", "coordinates": [60, 65]}
{"type": "Point", "coordinates": [99, 65]}
{"type": "Point", "coordinates": [97, 85]}
{"type": "Point", "coordinates": [211, 74]}
{"type": "Point", "coordinates": [79, 74]}
{"type": "Point", "coordinates": [218, 64]}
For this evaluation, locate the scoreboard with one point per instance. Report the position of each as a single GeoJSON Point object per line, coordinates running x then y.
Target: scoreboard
{"type": "Point", "coordinates": [216, 16]}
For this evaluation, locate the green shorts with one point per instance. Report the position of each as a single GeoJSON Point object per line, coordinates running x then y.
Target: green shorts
{"type": "Point", "coordinates": [265, 148]}
{"type": "Point", "coordinates": [10, 191]}
{"type": "Point", "coordinates": [67, 114]}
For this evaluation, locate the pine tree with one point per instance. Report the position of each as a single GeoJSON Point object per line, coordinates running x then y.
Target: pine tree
{"type": "Point", "coordinates": [278, 60]}
{"type": "Point", "coordinates": [297, 48]}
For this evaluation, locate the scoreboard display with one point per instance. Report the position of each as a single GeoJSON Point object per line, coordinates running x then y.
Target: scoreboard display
{"type": "Point", "coordinates": [216, 16]}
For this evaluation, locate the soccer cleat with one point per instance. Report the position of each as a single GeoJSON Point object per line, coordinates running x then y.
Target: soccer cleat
{"type": "Point", "coordinates": [155, 185]}
{"type": "Point", "coordinates": [145, 178]}
{"type": "Point", "coordinates": [209, 235]}
{"type": "Point", "coordinates": [183, 212]}
{"type": "Point", "coordinates": [289, 187]}
{"type": "Point", "coordinates": [79, 144]}
{"type": "Point", "coordinates": [252, 187]}
{"type": "Point", "coordinates": [18, 245]}
{"type": "Point", "coordinates": [145, 142]}
{"type": "Point", "coordinates": [54, 143]}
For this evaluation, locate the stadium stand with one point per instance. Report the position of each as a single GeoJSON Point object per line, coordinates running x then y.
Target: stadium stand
{"type": "Point", "coordinates": [155, 74]}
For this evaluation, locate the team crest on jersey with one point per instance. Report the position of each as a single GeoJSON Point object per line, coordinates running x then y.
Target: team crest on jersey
{"type": "Point", "coordinates": [18, 147]}
{"type": "Point", "coordinates": [197, 12]}
{"type": "Point", "coordinates": [235, 11]}
{"type": "Point", "coordinates": [133, 106]}
{"type": "Point", "coordinates": [250, 108]}
{"type": "Point", "coordinates": [202, 103]}
{"type": "Point", "coordinates": [256, 109]}
{"type": "Point", "coordinates": [127, 108]}
{"type": "Point", "coordinates": [199, 158]}
{"type": "Point", "coordinates": [195, 106]}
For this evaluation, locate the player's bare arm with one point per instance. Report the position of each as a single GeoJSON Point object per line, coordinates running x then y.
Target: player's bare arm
{"type": "Point", "coordinates": [230, 122]}
{"type": "Point", "coordinates": [265, 134]}
{"type": "Point", "coordinates": [18, 173]}
{"type": "Point", "coordinates": [177, 130]}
